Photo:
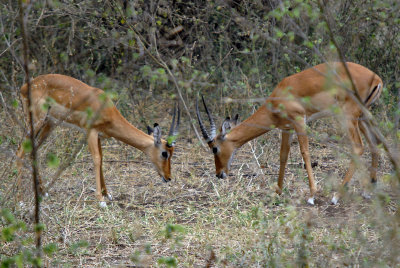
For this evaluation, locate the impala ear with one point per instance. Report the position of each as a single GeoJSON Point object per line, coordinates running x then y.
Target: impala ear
{"type": "Point", "coordinates": [235, 120]}
{"type": "Point", "coordinates": [157, 135]}
{"type": "Point", "coordinates": [226, 126]}
{"type": "Point", "coordinates": [150, 130]}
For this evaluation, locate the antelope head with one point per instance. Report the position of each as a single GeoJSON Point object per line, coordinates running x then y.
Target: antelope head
{"type": "Point", "coordinates": [163, 150]}
{"type": "Point", "coordinates": [222, 148]}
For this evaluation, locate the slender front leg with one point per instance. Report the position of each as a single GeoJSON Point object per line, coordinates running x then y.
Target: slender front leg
{"type": "Point", "coordinates": [372, 142]}
{"type": "Point", "coordinates": [285, 148]}
{"type": "Point", "coordinates": [95, 150]}
{"type": "Point", "coordinates": [357, 146]}
{"type": "Point", "coordinates": [303, 142]}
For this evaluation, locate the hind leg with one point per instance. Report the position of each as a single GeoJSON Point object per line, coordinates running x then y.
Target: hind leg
{"type": "Point", "coordinates": [95, 150]}
{"type": "Point", "coordinates": [300, 129]}
{"type": "Point", "coordinates": [40, 136]}
{"type": "Point", "coordinates": [372, 142]}
{"type": "Point", "coordinates": [102, 182]}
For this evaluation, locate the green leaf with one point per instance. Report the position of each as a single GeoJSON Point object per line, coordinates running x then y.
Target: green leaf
{"type": "Point", "coordinates": [279, 33]}
{"type": "Point", "coordinates": [80, 244]}
{"type": "Point", "coordinates": [291, 36]}
{"type": "Point", "coordinates": [173, 228]}
{"type": "Point", "coordinates": [64, 57]}
{"type": "Point", "coordinates": [148, 249]}
{"type": "Point", "coordinates": [50, 249]}
{"type": "Point", "coordinates": [168, 261]}
{"type": "Point", "coordinates": [185, 59]}
{"type": "Point", "coordinates": [135, 55]}
{"type": "Point", "coordinates": [135, 258]}
{"type": "Point", "coordinates": [161, 71]}
{"type": "Point", "coordinates": [389, 125]}
{"type": "Point", "coordinates": [27, 146]}
{"type": "Point", "coordinates": [89, 112]}
{"type": "Point", "coordinates": [39, 227]}
{"type": "Point", "coordinates": [48, 103]}
{"type": "Point", "coordinates": [146, 70]}
{"type": "Point", "coordinates": [309, 44]}
{"type": "Point", "coordinates": [15, 104]}
{"type": "Point", "coordinates": [171, 139]}
{"type": "Point", "coordinates": [306, 99]}
{"type": "Point", "coordinates": [335, 109]}
{"type": "Point", "coordinates": [8, 216]}
{"type": "Point", "coordinates": [296, 12]}
{"type": "Point", "coordinates": [19, 260]}
{"type": "Point", "coordinates": [20, 225]}
{"type": "Point", "coordinates": [7, 262]}
{"type": "Point", "coordinates": [37, 262]}
{"type": "Point", "coordinates": [52, 160]}
{"type": "Point", "coordinates": [7, 234]}
{"type": "Point", "coordinates": [90, 73]}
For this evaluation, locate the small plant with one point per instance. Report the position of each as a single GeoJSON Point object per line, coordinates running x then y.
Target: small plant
{"type": "Point", "coordinates": [14, 232]}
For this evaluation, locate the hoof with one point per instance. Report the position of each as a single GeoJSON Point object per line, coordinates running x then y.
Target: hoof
{"type": "Point", "coordinates": [278, 190]}
{"type": "Point", "coordinates": [103, 204]}
{"type": "Point", "coordinates": [166, 180]}
{"type": "Point", "coordinates": [334, 200]}
{"type": "Point", "coordinates": [109, 196]}
{"type": "Point", "coordinates": [21, 204]}
{"type": "Point", "coordinates": [310, 201]}
{"type": "Point", "coordinates": [366, 195]}
{"type": "Point", "coordinates": [221, 175]}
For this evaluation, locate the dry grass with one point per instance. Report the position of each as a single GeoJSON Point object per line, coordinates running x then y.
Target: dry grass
{"type": "Point", "coordinates": [239, 221]}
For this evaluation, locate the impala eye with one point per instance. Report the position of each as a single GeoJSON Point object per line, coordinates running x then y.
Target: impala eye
{"type": "Point", "coordinates": [215, 150]}
{"type": "Point", "coordinates": [164, 154]}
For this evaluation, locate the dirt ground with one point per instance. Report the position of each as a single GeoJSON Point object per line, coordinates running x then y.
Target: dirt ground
{"type": "Point", "coordinates": [197, 220]}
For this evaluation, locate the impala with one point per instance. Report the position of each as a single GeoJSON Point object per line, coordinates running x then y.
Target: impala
{"type": "Point", "coordinates": [59, 99]}
{"type": "Point", "coordinates": [320, 88]}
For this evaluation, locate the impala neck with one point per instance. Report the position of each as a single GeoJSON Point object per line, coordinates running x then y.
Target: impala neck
{"type": "Point", "coordinates": [259, 123]}
{"type": "Point", "coordinates": [122, 130]}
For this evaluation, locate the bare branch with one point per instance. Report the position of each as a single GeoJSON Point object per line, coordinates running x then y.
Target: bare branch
{"type": "Point", "coordinates": [35, 173]}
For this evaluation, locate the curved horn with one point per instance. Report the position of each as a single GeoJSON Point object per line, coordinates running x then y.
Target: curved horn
{"type": "Point", "coordinates": [174, 129]}
{"type": "Point", "coordinates": [213, 129]}
{"type": "Point", "coordinates": [202, 127]}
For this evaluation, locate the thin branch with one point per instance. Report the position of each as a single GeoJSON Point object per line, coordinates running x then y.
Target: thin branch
{"type": "Point", "coordinates": [158, 60]}
{"type": "Point", "coordinates": [35, 173]}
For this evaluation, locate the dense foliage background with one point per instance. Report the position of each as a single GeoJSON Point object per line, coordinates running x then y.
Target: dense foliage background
{"type": "Point", "coordinates": [152, 53]}
{"type": "Point", "coordinates": [219, 48]}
